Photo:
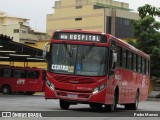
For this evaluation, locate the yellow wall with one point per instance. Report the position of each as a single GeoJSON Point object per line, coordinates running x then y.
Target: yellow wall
{"type": "Point", "coordinates": [65, 12]}
{"type": "Point", "coordinates": [64, 17]}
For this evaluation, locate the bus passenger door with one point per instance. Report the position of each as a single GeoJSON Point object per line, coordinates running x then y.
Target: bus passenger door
{"type": "Point", "coordinates": [119, 73]}
{"type": "Point", "coordinates": [19, 78]}
{"type": "Point", "coordinates": [43, 80]}
{"type": "Point", "coordinates": [114, 73]}
{"type": "Point", "coordinates": [32, 80]}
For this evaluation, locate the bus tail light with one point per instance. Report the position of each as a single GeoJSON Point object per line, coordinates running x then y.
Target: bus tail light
{"type": "Point", "coordinates": [50, 85]}
{"type": "Point", "coordinates": [98, 89]}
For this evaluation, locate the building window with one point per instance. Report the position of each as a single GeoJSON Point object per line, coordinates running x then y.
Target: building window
{"type": "Point", "coordinates": [78, 19]}
{"type": "Point", "coordinates": [109, 23]}
{"type": "Point", "coordinates": [16, 30]}
{"type": "Point", "coordinates": [79, 7]}
{"type": "Point", "coordinates": [23, 31]}
{"type": "Point", "coordinates": [10, 22]}
{"type": "Point", "coordinates": [21, 23]}
{"type": "Point", "coordinates": [123, 28]}
{"type": "Point", "coordinates": [78, 2]}
{"type": "Point", "coordinates": [31, 43]}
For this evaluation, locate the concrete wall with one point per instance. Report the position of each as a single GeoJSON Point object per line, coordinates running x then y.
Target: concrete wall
{"type": "Point", "coordinates": [92, 19]}
{"type": "Point", "coordinates": [64, 17]}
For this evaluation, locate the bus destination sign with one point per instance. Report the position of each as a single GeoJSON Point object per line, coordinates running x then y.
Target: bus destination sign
{"type": "Point", "coordinates": [79, 37]}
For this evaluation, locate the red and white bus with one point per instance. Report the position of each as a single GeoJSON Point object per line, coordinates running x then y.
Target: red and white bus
{"type": "Point", "coordinates": [22, 79]}
{"type": "Point", "coordinates": [97, 69]}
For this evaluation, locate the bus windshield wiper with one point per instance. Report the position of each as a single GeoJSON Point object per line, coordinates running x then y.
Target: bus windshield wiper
{"type": "Point", "coordinates": [87, 51]}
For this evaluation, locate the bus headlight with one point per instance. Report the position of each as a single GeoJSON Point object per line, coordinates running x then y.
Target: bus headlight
{"type": "Point", "coordinates": [50, 85]}
{"type": "Point", "coordinates": [98, 89]}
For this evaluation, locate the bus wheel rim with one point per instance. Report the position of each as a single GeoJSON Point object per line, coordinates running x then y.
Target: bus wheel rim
{"type": "Point", "coordinates": [5, 90]}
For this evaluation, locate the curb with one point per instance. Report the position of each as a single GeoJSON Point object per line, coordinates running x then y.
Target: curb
{"type": "Point", "coordinates": [153, 99]}
{"type": "Point", "coordinates": [39, 93]}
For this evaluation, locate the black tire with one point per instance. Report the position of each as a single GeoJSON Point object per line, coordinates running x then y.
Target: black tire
{"type": "Point", "coordinates": [95, 105]}
{"type": "Point", "coordinates": [127, 106]}
{"type": "Point", "coordinates": [29, 93]}
{"type": "Point", "coordinates": [112, 107]}
{"type": "Point", "coordinates": [64, 104]}
{"type": "Point", "coordinates": [133, 106]}
{"type": "Point", "coordinates": [6, 90]}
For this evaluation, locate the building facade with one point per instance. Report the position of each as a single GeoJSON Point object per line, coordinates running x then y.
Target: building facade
{"type": "Point", "coordinates": [107, 16]}
{"type": "Point", "coordinates": [19, 29]}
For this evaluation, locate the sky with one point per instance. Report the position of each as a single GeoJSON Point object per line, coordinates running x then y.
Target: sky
{"type": "Point", "coordinates": [36, 10]}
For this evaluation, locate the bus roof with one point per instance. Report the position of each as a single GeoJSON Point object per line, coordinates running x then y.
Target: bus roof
{"type": "Point", "coordinates": [127, 45]}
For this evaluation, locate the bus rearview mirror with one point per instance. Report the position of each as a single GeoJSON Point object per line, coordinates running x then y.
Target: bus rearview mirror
{"type": "Point", "coordinates": [46, 51]}
{"type": "Point", "coordinates": [114, 57]}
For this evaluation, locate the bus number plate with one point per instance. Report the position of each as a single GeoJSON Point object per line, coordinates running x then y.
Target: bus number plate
{"type": "Point", "coordinates": [72, 96]}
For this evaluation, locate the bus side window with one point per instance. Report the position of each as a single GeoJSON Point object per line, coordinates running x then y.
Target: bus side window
{"type": "Point", "coordinates": [147, 67]}
{"type": "Point", "coordinates": [143, 66]}
{"type": "Point", "coordinates": [124, 58]}
{"type": "Point", "coordinates": [129, 60]}
{"type": "Point", "coordinates": [32, 74]}
{"type": "Point", "coordinates": [134, 62]}
{"type": "Point", "coordinates": [139, 64]}
{"type": "Point", "coordinates": [7, 73]}
{"type": "Point", "coordinates": [19, 73]}
{"type": "Point", "coordinates": [119, 56]}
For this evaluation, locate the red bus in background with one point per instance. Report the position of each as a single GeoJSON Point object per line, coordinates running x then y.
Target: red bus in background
{"type": "Point", "coordinates": [96, 69]}
{"type": "Point", "coordinates": [22, 79]}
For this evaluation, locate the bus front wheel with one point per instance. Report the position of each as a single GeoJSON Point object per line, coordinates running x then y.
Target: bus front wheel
{"type": "Point", "coordinates": [64, 104]}
{"type": "Point", "coordinates": [95, 105]}
{"type": "Point", "coordinates": [112, 106]}
{"type": "Point", "coordinates": [6, 90]}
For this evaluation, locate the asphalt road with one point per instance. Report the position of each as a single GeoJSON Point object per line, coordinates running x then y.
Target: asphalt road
{"type": "Point", "coordinates": [37, 103]}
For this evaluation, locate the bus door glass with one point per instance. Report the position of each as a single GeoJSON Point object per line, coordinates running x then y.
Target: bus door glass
{"type": "Point", "coordinates": [111, 58]}
{"type": "Point", "coordinates": [32, 79]}
{"type": "Point", "coordinates": [19, 78]}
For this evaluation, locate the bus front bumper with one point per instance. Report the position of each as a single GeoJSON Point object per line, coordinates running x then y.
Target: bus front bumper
{"type": "Point", "coordinates": [75, 96]}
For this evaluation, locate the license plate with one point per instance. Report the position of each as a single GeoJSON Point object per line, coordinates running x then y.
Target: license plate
{"type": "Point", "coordinates": [72, 95]}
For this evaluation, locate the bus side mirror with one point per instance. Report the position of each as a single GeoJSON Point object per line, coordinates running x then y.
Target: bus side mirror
{"type": "Point", "coordinates": [46, 53]}
{"type": "Point", "coordinates": [114, 57]}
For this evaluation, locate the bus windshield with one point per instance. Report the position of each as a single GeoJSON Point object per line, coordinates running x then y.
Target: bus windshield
{"type": "Point", "coordinates": [78, 59]}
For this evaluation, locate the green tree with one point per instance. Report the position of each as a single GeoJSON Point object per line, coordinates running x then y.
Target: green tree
{"type": "Point", "coordinates": [148, 10]}
{"type": "Point", "coordinates": [148, 37]}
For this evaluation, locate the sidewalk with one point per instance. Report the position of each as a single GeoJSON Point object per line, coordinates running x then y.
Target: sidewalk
{"type": "Point", "coordinates": [154, 96]}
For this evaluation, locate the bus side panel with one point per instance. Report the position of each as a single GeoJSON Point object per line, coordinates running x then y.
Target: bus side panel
{"type": "Point", "coordinates": [12, 83]}
{"type": "Point", "coordinates": [111, 86]}
{"type": "Point", "coordinates": [122, 89]}
{"type": "Point", "coordinates": [145, 80]}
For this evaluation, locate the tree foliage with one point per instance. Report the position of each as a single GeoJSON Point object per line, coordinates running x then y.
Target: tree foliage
{"type": "Point", "coordinates": [148, 10]}
{"type": "Point", "coordinates": [148, 37]}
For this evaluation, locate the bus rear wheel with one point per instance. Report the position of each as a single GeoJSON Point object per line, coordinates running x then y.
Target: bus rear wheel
{"type": "Point", "coordinates": [6, 90]}
{"type": "Point", "coordinates": [133, 106]}
{"type": "Point", "coordinates": [64, 104]}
